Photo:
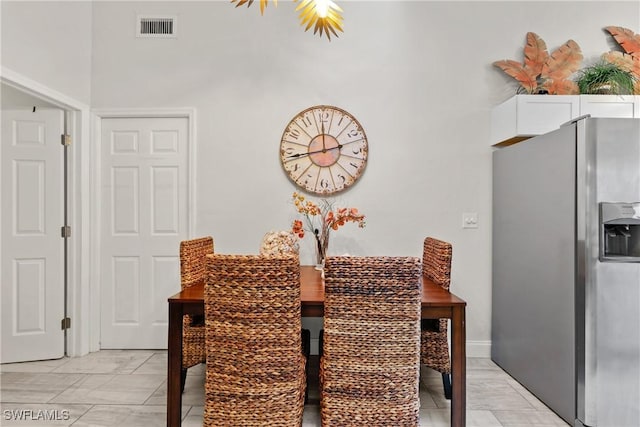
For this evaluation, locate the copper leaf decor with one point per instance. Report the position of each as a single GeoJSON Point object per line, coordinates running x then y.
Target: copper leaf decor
{"type": "Point", "coordinates": [521, 73]}
{"type": "Point", "coordinates": [563, 62]}
{"type": "Point", "coordinates": [535, 54]}
{"type": "Point", "coordinates": [627, 39]}
{"type": "Point", "coordinates": [560, 86]}
{"type": "Point", "coordinates": [544, 73]}
{"type": "Point", "coordinates": [624, 61]}
{"type": "Point", "coordinates": [629, 60]}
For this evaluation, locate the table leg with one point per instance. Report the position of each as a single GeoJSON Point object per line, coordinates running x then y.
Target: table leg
{"type": "Point", "coordinates": [174, 366]}
{"type": "Point", "coordinates": [458, 368]}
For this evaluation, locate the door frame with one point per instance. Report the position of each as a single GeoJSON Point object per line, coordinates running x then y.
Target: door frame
{"type": "Point", "coordinates": [97, 116]}
{"type": "Point", "coordinates": [78, 123]}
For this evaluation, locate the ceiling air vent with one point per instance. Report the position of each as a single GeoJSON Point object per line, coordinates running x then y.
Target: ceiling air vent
{"type": "Point", "coordinates": [156, 26]}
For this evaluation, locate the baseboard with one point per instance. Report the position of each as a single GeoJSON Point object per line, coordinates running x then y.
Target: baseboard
{"type": "Point", "coordinates": [475, 348]}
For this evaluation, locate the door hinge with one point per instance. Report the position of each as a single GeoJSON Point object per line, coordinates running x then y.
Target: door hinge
{"type": "Point", "coordinates": [65, 140]}
{"type": "Point", "coordinates": [65, 231]}
{"type": "Point", "coordinates": [66, 323]}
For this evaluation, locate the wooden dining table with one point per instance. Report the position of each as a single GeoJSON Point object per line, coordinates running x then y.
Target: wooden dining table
{"type": "Point", "coordinates": [436, 303]}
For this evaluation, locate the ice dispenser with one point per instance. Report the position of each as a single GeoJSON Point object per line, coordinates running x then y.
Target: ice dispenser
{"type": "Point", "coordinates": [620, 232]}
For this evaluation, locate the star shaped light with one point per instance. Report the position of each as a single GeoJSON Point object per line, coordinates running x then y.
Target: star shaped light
{"type": "Point", "coordinates": [325, 16]}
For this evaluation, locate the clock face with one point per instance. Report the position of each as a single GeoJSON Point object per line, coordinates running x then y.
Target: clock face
{"type": "Point", "coordinates": [323, 149]}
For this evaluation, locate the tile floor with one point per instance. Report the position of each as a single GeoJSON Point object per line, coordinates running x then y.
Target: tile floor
{"type": "Point", "coordinates": [128, 389]}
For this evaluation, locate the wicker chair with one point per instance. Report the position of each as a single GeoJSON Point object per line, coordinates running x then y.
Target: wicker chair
{"type": "Point", "coordinates": [283, 243]}
{"type": "Point", "coordinates": [255, 372]}
{"type": "Point", "coordinates": [370, 366]}
{"type": "Point", "coordinates": [192, 270]}
{"type": "Point", "coordinates": [434, 353]}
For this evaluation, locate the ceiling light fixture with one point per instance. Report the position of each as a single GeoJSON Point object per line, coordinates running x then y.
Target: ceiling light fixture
{"type": "Point", "coordinates": [325, 16]}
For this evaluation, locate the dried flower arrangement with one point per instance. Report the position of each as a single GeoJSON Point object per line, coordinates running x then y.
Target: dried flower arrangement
{"type": "Point", "coordinates": [320, 218]}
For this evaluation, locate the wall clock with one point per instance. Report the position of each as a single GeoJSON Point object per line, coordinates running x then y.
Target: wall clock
{"type": "Point", "coordinates": [324, 150]}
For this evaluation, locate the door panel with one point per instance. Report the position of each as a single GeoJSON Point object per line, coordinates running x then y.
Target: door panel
{"type": "Point", "coordinates": [32, 248]}
{"type": "Point", "coordinates": [144, 218]}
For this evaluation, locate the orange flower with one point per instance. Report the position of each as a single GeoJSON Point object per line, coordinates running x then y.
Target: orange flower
{"type": "Point", "coordinates": [297, 228]}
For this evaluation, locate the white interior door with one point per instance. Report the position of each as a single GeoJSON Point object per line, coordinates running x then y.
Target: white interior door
{"type": "Point", "coordinates": [144, 216]}
{"type": "Point", "coordinates": [32, 246]}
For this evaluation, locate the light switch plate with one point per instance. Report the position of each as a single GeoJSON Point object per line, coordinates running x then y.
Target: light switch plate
{"type": "Point", "coordinates": [470, 220]}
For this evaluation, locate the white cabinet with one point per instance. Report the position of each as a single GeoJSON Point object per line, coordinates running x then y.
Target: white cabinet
{"type": "Point", "coordinates": [524, 116]}
{"type": "Point", "coordinates": [610, 105]}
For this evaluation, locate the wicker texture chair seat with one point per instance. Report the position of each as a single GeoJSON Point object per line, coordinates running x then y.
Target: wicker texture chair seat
{"type": "Point", "coordinates": [369, 370]}
{"type": "Point", "coordinates": [193, 270]}
{"type": "Point", "coordinates": [434, 348]}
{"type": "Point", "coordinates": [255, 374]}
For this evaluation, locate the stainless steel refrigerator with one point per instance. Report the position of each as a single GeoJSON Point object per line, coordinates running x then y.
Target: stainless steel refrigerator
{"type": "Point", "coordinates": [566, 269]}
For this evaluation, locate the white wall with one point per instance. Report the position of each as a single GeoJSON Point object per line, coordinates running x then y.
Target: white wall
{"type": "Point", "coordinates": [49, 42]}
{"type": "Point", "coordinates": [11, 98]}
{"type": "Point", "coordinates": [417, 75]}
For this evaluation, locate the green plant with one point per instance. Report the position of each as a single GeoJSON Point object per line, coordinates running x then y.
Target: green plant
{"type": "Point", "coordinates": [605, 78]}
